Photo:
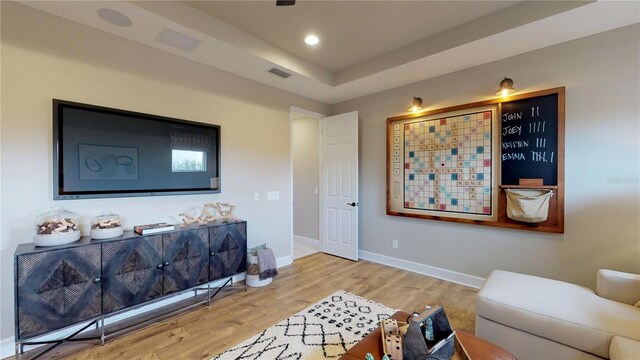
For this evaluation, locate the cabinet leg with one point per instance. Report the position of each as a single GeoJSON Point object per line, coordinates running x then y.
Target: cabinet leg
{"type": "Point", "coordinates": [19, 350]}
{"type": "Point", "coordinates": [102, 337]}
{"type": "Point", "coordinates": [208, 294]}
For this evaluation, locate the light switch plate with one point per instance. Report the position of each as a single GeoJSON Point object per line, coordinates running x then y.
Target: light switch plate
{"type": "Point", "coordinates": [273, 195]}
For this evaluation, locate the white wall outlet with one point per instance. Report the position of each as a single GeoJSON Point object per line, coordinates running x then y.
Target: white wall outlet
{"type": "Point", "coordinates": [394, 243]}
{"type": "Point", "coordinates": [256, 196]}
{"type": "Point", "coordinates": [315, 191]}
{"type": "Point", "coordinates": [273, 195]}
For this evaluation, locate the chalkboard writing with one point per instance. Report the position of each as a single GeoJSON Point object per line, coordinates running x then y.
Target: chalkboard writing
{"type": "Point", "coordinates": [529, 147]}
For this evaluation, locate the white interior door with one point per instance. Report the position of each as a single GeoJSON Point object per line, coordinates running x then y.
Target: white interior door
{"type": "Point", "coordinates": [339, 185]}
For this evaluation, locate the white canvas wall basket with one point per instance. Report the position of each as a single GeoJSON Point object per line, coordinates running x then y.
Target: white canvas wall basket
{"type": "Point", "coordinates": [528, 205]}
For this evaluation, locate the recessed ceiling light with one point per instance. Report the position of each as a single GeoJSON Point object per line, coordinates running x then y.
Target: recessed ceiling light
{"type": "Point", "coordinates": [114, 17]}
{"type": "Point", "coordinates": [311, 40]}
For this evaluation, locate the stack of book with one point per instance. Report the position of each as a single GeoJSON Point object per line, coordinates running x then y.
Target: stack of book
{"type": "Point", "coordinates": [152, 228]}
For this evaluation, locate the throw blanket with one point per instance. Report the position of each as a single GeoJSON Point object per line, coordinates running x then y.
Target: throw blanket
{"type": "Point", "coordinates": [266, 264]}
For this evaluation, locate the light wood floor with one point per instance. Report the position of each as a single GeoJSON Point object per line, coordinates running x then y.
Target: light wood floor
{"type": "Point", "coordinates": [235, 315]}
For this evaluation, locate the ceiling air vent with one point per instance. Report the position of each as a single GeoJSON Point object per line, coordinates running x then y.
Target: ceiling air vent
{"type": "Point", "coordinates": [281, 73]}
{"type": "Point", "coordinates": [178, 40]}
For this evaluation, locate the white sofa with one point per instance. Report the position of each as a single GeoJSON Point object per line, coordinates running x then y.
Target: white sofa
{"type": "Point", "coordinates": [538, 318]}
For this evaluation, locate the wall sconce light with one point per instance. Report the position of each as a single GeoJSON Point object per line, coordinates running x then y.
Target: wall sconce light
{"type": "Point", "coordinates": [506, 87]}
{"type": "Point", "coordinates": [416, 105]}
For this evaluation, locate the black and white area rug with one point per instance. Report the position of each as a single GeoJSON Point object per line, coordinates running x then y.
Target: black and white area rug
{"type": "Point", "coordinates": [324, 330]}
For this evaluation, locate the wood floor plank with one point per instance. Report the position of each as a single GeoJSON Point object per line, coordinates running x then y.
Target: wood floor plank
{"type": "Point", "coordinates": [236, 315]}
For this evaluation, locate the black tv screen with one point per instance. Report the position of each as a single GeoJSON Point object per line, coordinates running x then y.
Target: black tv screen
{"type": "Point", "coordinates": [102, 152]}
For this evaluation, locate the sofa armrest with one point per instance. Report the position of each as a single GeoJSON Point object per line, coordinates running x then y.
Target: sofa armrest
{"type": "Point", "coordinates": [618, 286]}
{"type": "Point", "coordinates": [624, 349]}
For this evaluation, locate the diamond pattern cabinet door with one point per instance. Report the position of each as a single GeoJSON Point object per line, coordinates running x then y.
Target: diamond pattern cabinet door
{"type": "Point", "coordinates": [185, 259]}
{"type": "Point", "coordinates": [130, 272]}
{"type": "Point", "coordinates": [57, 288]}
{"type": "Point", "coordinates": [228, 250]}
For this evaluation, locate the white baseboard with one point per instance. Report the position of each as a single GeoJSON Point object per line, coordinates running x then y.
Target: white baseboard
{"type": "Point", "coordinates": [436, 272]}
{"type": "Point", "coordinates": [284, 261]}
{"type": "Point", "coordinates": [7, 347]}
{"type": "Point", "coordinates": [315, 243]}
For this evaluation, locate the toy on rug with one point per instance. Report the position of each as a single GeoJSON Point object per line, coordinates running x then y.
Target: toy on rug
{"type": "Point", "coordinates": [392, 340]}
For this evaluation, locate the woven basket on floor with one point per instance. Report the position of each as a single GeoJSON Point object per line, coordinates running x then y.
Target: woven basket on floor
{"type": "Point", "coordinates": [253, 273]}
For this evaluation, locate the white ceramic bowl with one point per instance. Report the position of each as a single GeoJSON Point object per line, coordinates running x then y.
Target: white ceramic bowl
{"type": "Point", "coordinates": [99, 234]}
{"type": "Point", "coordinates": [56, 239]}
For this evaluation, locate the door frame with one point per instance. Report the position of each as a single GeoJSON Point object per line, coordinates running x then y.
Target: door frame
{"type": "Point", "coordinates": [296, 110]}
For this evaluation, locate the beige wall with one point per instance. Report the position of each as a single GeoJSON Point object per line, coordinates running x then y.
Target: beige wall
{"type": "Point", "coordinates": [306, 175]}
{"type": "Point", "coordinates": [45, 57]}
{"type": "Point", "coordinates": [602, 80]}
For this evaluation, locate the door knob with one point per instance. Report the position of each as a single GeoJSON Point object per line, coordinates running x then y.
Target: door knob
{"type": "Point", "coordinates": [353, 204]}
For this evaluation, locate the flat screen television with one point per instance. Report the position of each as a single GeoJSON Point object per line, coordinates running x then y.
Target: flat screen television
{"type": "Point", "coordinates": [101, 152]}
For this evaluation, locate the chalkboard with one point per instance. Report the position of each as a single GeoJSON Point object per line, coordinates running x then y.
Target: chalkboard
{"type": "Point", "coordinates": [529, 140]}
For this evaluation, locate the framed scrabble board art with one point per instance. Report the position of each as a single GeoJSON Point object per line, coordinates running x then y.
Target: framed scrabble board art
{"type": "Point", "coordinates": [443, 164]}
{"type": "Point", "coordinates": [457, 163]}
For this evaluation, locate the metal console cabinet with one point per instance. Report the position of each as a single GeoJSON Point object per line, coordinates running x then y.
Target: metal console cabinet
{"type": "Point", "coordinates": [60, 286]}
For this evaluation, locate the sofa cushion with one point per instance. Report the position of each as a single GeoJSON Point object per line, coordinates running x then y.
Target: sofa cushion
{"type": "Point", "coordinates": [566, 313]}
{"type": "Point", "coordinates": [624, 349]}
{"type": "Point", "coordinates": [619, 286]}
